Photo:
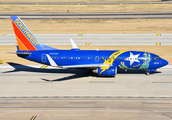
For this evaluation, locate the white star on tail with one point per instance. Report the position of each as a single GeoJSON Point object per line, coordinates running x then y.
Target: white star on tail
{"type": "Point", "coordinates": [132, 58]}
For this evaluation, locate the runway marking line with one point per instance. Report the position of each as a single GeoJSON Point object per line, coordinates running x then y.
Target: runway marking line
{"type": "Point", "coordinates": [158, 34]}
{"type": "Point", "coordinates": [80, 35]}
{"type": "Point", "coordinates": [3, 34]}
{"type": "Point", "coordinates": [88, 43]}
{"type": "Point", "coordinates": [82, 97]}
{"type": "Point", "coordinates": [161, 82]}
{"type": "Point", "coordinates": [33, 117]}
{"type": "Point", "coordinates": [158, 43]}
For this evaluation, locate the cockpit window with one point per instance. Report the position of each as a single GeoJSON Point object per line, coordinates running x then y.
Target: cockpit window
{"type": "Point", "coordinates": [156, 58]}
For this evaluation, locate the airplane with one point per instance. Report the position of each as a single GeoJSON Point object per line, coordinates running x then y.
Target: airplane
{"type": "Point", "coordinates": [102, 62]}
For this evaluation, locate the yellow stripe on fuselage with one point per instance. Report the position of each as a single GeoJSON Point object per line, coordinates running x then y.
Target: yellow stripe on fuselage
{"type": "Point", "coordinates": [110, 60]}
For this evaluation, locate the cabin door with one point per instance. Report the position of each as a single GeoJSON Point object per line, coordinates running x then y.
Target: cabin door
{"type": "Point", "coordinates": [97, 58]}
{"type": "Point", "coordinates": [43, 57]}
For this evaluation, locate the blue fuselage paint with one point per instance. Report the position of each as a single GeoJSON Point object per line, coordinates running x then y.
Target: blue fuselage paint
{"type": "Point", "coordinates": [126, 60]}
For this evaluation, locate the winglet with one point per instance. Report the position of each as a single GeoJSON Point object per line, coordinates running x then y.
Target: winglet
{"type": "Point", "coordinates": [52, 63]}
{"type": "Point", "coordinates": [74, 45]}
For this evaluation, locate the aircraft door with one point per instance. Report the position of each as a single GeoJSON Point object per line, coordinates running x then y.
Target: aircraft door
{"type": "Point", "coordinates": [43, 57]}
{"type": "Point", "coordinates": [97, 58]}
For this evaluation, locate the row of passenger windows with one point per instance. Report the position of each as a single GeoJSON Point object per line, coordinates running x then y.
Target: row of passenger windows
{"type": "Point", "coordinates": [73, 58]}
{"type": "Point", "coordinates": [87, 58]}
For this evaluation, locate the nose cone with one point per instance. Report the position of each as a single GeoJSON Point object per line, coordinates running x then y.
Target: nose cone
{"type": "Point", "coordinates": [164, 62]}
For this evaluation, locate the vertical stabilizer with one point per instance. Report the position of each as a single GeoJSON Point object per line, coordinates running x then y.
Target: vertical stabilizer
{"type": "Point", "coordinates": [25, 39]}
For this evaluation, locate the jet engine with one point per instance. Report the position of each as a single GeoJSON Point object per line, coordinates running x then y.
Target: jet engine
{"type": "Point", "coordinates": [112, 71]}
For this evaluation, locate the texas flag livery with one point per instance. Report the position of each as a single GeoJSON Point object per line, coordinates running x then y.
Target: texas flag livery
{"type": "Point", "coordinates": [102, 62]}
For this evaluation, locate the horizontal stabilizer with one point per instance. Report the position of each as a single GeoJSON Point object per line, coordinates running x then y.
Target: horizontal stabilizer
{"type": "Point", "coordinates": [21, 53]}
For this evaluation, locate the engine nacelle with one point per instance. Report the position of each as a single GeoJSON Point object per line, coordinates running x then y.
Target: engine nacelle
{"type": "Point", "coordinates": [110, 72]}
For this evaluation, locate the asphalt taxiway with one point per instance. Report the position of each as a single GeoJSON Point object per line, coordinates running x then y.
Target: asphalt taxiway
{"type": "Point", "coordinates": [95, 39]}
{"type": "Point", "coordinates": [129, 15]}
{"type": "Point", "coordinates": [30, 92]}
{"type": "Point", "coordinates": [69, 109]}
{"type": "Point", "coordinates": [31, 82]}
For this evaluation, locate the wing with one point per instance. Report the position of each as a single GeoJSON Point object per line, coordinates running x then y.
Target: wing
{"type": "Point", "coordinates": [52, 63]}
{"type": "Point", "coordinates": [86, 66]}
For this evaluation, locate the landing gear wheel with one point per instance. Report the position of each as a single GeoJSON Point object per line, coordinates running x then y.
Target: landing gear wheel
{"type": "Point", "coordinates": [147, 73]}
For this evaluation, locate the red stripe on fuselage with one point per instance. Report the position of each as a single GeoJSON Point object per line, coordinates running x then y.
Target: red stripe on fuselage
{"type": "Point", "coordinates": [23, 38]}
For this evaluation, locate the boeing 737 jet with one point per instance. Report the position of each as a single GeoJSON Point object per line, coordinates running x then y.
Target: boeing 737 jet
{"type": "Point", "coordinates": [102, 62]}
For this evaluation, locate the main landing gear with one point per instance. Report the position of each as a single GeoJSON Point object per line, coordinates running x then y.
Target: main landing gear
{"type": "Point", "coordinates": [147, 73]}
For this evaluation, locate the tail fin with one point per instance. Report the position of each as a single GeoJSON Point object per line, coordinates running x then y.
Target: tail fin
{"type": "Point", "coordinates": [25, 39]}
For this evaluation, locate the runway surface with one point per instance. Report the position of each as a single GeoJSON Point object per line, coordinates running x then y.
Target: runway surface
{"type": "Point", "coordinates": [136, 15]}
{"type": "Point", "coordinates": [86, 3]}
{"type": "Point", "coordinates": [94, 39]}
{"type": "Point", "coordinates": [70, 109]}
{"type": "Point", "coordinates": [33, 82]}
